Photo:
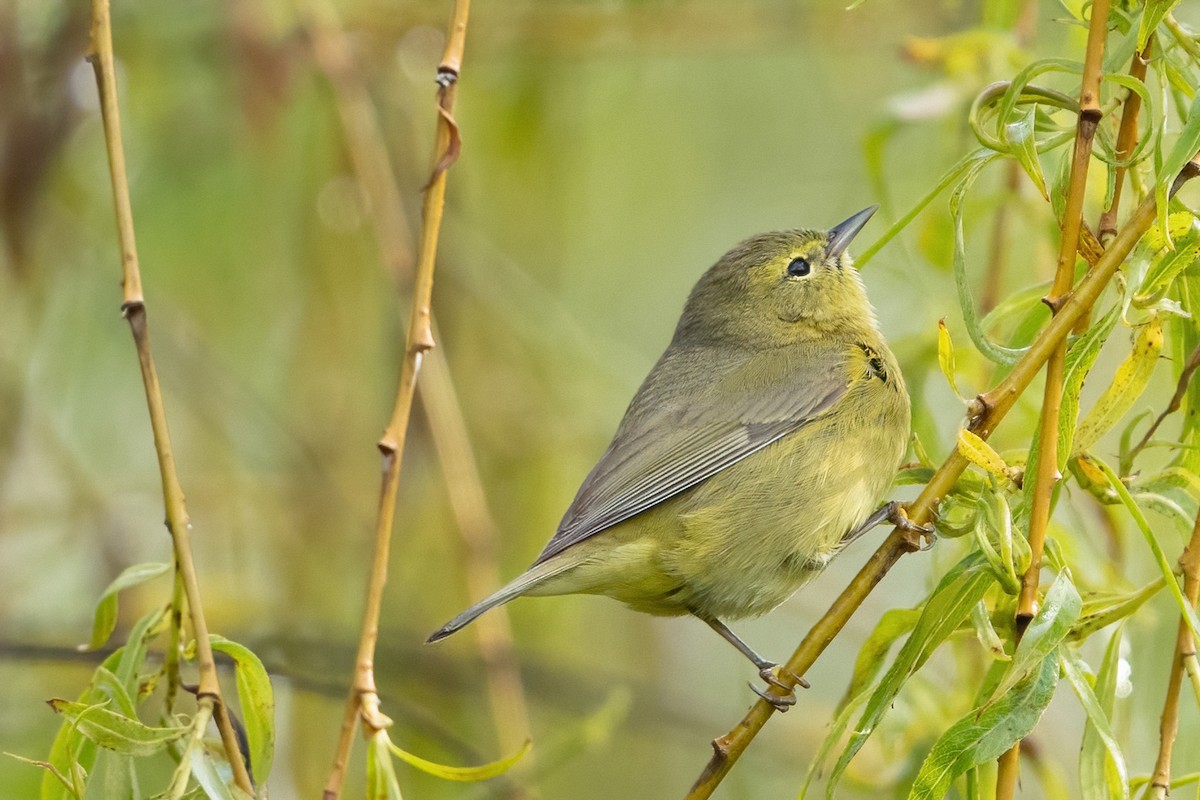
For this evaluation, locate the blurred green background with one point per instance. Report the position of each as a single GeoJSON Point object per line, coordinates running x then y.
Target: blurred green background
{"type": "Point", "coordinates": [612, 151]}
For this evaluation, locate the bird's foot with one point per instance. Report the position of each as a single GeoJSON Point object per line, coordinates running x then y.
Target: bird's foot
{"type": "Point", "coordinates": [920, 537]}
{"type": "Point", "coordinates": [785, 697]}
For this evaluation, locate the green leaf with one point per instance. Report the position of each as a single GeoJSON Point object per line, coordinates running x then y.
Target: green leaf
{"type": "Point", "coordinates": [994, 352]}
{"type": "Point", "coordinates": [106, 607]}
{"type": "Point", "coordinates": [1166, 266]}
{"type": "Point", "coordinates": [74, 754]}
{"type": "Point", "coordinates": [73, 790]}
{"type": "Point", "coordinates": [964, 165]}
{"type": "Point", "coordinates": [981, 454]}
{"type": "Point", "coordinates": [381, 774]}
{"type": "Point", "coordinates": [1050, 625]}
{"type": "Point", "coordinates": [892, 625]}
{"type": "Point", "coordinates": [982, 736]}
{"type": "Point", "coordinates": [1018, 134]}
{"type": "Point", "coordinates": [115, 732]}
{"type": "Point", "coordinates": [208, 765]}
{"type": "Point", "coordinates": [837, 727]}
{"type": "Point", "coordinates": [946, 356]}
{"type": "Point", "coordinates": [480, 773]}
{"type": "Point", "coordinates": [1101, 609]}
{"type": "Point", "coordinates": [949, 604]}
{"type": "Point", "coordinates": [1151, 17]}
{"type": "Point", "coordinates": [1102, 771]}
{"type": "Point", "coordinates": [1185, 608]}
{"type": "Point", "coordinates": [1181, 153]}
{"type": "Point", "coordinates": [1126, 387]}
{"type": "Point", "coordinates": [257, 701]}
{"type": "Point", "coordinates": [1081, 357]}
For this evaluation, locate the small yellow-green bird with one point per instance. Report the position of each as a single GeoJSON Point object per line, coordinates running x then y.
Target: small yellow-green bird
{"type": "Point", "coordinates": [760, 444]}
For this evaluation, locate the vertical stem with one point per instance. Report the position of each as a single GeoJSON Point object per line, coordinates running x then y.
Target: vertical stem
{"type": "Point", "coordinates": [1047, 474]}
{"type": "Point", "coordinates": [1127, 137]}
{"type": "Point", "coordinates": [1185, 652]}
{"type": "Point", "coordinates": [363, 694]}
{"type": "Point", "coordinates": [133, 308]}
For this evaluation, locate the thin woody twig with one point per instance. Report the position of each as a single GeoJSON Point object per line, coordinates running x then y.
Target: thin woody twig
{"type": "Point", "coordinates": [1185, 377]}
{"type": "Point", "coordinates": [364, 696]}
{"type": "Point", "coordinates": [1046, 475]}
{"type": "Point", "coordinates": [375, 174]}
{"type": "Point", "coordinates": [985, 413]}
{"type": "Point", "coordinates": [1184, 660]}
{"type": "Point", "coordinates": [133, 308]}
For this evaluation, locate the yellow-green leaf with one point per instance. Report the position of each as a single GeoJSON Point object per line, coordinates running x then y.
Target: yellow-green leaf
{"type": "Point", "coordinates": [946, 356]}
{"type": "Point", "coordinates": [1127, 386]}
{"type": "Point", "coordinates": [257, 701]}
{"type": "Point", "coordinates": [106, 607]}
{"type": "Point", "coordinates": [480, 773]}
{"type": "Point", "coordinates": [981, 454]}
{"type": "Point", "coordinates": [115, 732]}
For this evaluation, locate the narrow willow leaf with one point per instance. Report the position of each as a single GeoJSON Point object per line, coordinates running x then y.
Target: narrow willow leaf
{"type": "Point", "coordinates": [114, 732]}
{"type": "Point", "coordinates": [1103, 609]}
{"type": "Point", "coordinates": [1019, 135]}
{"type": "Point", "coordinates": [983, 735]}
{"type": "Point", "coordinates": [1170, 478]}
{"type": "Point", "coordinates": [1165, 267]}
{"type": "Point", "coordinates": [1151, 17]}
{"type": "Point", "coordinates": [950, 603]}
{"type": "Point", "coordinates": [481, 773]}
{"type": "Point", "coordinates": [381, 773]}
{"type": "Point", "coordinates": [1102, 770]}
{"type": "Point", "coordinates": [985, 632]}
{"type": "Point", "coordinates": [50, 769]}
{"type": "Point", "coordinates": [1081, 357]}
{"type": "Point", "coordinates": [1127, 386]}
{"type": "Point", "coordinates": [837, 727]}
{"type": "Point", "coordinates": [892, 625]}
{"type": "Point", "coordinates": [1050, 625]}
{"type": "Point", "coordinates": [257, 701]}
{"type": "Point", "coordinates": [1001, 355]}
{"type": "Point", "coordinates": [981, 454]}
{"type": "Point", "coordinates": [1164, 566]}
{"type": "Point", "coordinates": [203, 767]}
{"type": "Point", "coordinates": [946, 356]}
{"type": "Point", "coordinates": [963, 166]}
{"type": "Point", "coordinates": [76, 754]}
{"type": "Point", "coordinates": [106, 607]}
{"type": "Point", "coordinates": [1181, 153]}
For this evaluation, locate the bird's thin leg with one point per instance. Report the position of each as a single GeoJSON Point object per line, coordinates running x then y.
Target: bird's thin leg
{"type": "Point", "coordinates": [766, 669]}
{"type": "Point", "coordinates": [895, 513]}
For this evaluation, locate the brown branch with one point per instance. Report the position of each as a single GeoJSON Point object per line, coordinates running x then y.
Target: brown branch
{"type": "Point", "coordinates": [1181, 387]}
{"type": "Point", "coordinates": [133, 308]}
{"type": "Point", "coordinates": [364, 695]}
{"type": "Point", "coordinates": [1185, 652]}
{"type": "Point", "coordinates": [375, 174]}
{"type": "Point", "coordinates": [1127, 138]}
{"type": "Point", "coordinates": [1047, 475]}
{"type": "Point", "coordinates": [985, 413]}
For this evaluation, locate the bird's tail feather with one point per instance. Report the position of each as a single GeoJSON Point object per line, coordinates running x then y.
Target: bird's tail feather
{"type": "Point", "coordinates": [518, 586]}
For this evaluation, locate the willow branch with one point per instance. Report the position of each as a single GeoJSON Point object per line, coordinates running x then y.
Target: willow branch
{"type": "Point", "coordinates": [364, 695]}
{"type": "Point", "coordinates": [1185, 656]}
{"type": "Point", "coordinates": [133, 308]}
{"type": "Point", "coordinates": [1127, 138]}
{"type": "Point", "coordinates": [1047, 475]}
{"type": "Point", "coordinates": [375, 174]}
{"type": "Point", "coordinates": [985, 413]}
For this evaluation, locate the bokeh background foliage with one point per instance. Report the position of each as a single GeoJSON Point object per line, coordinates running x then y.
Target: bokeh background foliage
{"type": "Point", "coordinates": [612, 152]}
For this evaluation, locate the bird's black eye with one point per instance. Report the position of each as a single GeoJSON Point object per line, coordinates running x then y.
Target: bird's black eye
{"type": "Point", "coordinates": [799, 267]}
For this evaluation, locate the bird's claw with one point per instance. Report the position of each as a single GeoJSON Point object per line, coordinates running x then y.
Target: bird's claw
{"type": "Point", "coordinates": [786, 698]}
{"type": "Point", "coordinates": [921, 537]}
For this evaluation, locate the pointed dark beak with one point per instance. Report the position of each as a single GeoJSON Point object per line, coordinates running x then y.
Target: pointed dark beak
{"type": "Point", "coordinates": [841, 235]}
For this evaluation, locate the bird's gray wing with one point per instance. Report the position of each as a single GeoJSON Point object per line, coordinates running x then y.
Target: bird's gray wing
{"type": "Point", "coordinates": [666, 446]}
